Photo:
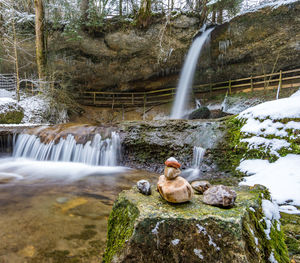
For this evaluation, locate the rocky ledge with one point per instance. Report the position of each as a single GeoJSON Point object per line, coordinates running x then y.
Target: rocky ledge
{"type": "Point", "coordinates": [148, 229]}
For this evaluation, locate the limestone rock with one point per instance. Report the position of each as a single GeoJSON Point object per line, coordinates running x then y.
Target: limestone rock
{"type": "Point", "coordinates": [144, 187]}
{"type": "Point", "coordinates": [219, 195]}
{"type": "Point", "coordinates": [200, 186]}
{"type": "Point", "coordinates": [147, 229]}
{"type": "Point", "coordinates": [171, 173]}
{"type": "Point", "coordinates": [177, 190]}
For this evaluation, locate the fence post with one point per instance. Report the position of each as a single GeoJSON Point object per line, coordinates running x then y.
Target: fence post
{"type": "Point", "coordinates": [145, 100]}
{"type": "Point", "coordinates": [132, 98]}
{"type": "Point", "coordinates": [94, 98]}
{"type": "Point", "coordinates": [229, 87]}
{"type": "Point", "coordinates": [251, 84]}
{"type": "Point", "coordinates": [210, 89]}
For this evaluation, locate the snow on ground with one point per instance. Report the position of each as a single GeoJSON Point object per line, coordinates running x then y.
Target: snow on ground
{"type": "Point", "coordinates": [263, 124]}
{"type": "Point", "coordinates": [37, 109]}
{"type": "Point", "coordinates": [275, 109]}
{"type": "Point", "coordinates": [254, 5]}
{"type": "Point", "coordinates": [8, 104]}
{"type": "Point", "coordinates": [283, 176]}
{"type": "Point", "coordinates": [6, 93]}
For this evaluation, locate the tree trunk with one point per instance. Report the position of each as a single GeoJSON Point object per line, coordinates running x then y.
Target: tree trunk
{"type": "Point", "coordinates": [213, 18]}
{"type": "Point", "coordinates": [120, 7]}
{"type": "Point", "coordinates": [204, 11]}
{"type": "Point", "coordinates": [220, 16]}
{"type": "Point", "coordinates": [16, 60]}
{"type": "Point", "coordinates": [144, 13]}
{"type": "Point", "coordinates": [84, 9]}
{"type": "Point", "coordinates": [39, 38]}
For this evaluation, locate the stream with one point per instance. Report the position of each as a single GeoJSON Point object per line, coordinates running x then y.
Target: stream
{"type": "Point", "coordinates": [56, 210]}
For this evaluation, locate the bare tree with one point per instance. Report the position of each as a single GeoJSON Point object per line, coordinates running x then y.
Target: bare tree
{"type": "Point", "coordinates": [39, 38]}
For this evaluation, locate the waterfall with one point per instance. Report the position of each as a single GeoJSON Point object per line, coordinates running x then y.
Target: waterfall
{"type": "Point", "coordinates": [198, 155]}
{"type": "Point", "coordinates": [187, 75]}
{"type": "Point", "coordinates": [98, 151]}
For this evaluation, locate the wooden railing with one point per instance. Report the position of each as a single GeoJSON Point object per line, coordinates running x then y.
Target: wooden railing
{"type": "Point", "coordinates": [290, 78]}
{"type": "Point", "coordinates": [8, 81]}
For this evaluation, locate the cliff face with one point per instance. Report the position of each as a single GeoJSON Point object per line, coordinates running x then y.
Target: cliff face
{"type": "Point", "coordinates": [254, 43]}
{"type": "Point", "coordinates": [125, 55]}
{"type": "Point", "coordinates": [122, 57]}
{"type": "Point", "coordinates": [125, 59]}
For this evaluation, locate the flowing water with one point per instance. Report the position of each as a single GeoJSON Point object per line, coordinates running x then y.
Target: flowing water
{"type": "Point", "coordinates": [98, 151]}
{"type": "Point", "coordinates": [56, 195]}
{"type": "Point", "coordinates": [194, 172]}
{"type": "Point", "coordinates": [187, 75]}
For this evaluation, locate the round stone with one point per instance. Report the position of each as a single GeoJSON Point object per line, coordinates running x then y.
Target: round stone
{"type": "Point", "coordinates": [200, 186]}
{"type": "Point", "coordinates": [177, 190]}
{"type": "Point", "coordinates": [144, 187]}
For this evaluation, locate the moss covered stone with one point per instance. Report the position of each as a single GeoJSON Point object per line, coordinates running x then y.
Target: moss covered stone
{"type": "Point", "coordinates": [10, 112]}
{"type": "Point", "coordinates": [148, 229]}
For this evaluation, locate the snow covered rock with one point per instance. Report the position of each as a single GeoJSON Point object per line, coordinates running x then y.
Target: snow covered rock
{"type": "Point", "coordinates": [10, 111]}
{"type": "Point", "coordinates": [148, 229]}
{"type": "Point", "coordinates": [38, 110]}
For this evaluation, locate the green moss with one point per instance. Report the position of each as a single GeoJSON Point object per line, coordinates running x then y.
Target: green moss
{"type": "Point", "coordinates": [11, 117]}
{"type": "Point", "coordinates": [120, 228]}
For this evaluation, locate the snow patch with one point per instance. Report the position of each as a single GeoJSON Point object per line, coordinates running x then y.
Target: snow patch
{"type": "Point", "coordinates": [156, 228]}
{"type": "Point", "coordinates": [281, 177]}
{"type": "Point", "coordinates": [198, 253]}
{"type": "Point", "coordinates": [175, 242]}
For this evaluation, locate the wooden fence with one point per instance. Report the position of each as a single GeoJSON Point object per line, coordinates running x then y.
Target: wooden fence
{"type": "Point", "coordinates": [8, 81]}
{"type": "Point", "coordinates": [290, 78]}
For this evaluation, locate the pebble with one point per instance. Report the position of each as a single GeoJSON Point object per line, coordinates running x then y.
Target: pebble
{"type": "Point", "coordinates": [200, 186]}
{"type": "Point", "coordinates": [144, 187]}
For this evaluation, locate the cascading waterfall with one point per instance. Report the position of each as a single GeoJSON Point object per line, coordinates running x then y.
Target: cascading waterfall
{"type": "Point", "coordinates": [198, 155]}
{"type": "Point", "coordinates": [99, 151]}
{"type": "Point", "coordinates": [187, 75]}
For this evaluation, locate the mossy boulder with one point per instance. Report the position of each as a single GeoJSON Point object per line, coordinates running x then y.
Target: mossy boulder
{"type": "Point", "coordinates": [201, 113]}
{"type": "Point", "coordinates": [148, 229]}
{"type": "Point", "coordinates": [10, 111]}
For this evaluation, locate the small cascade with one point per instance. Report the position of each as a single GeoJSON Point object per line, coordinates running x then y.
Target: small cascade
{"type": "Point", "coordinates": [198, 155]}
{"type": "Point", "coordinates": [97, 151]}
{"type": "Point", "coordinates": [6, 143]}
{"type": "Point", "coordinates": [194, 173]}
{"type": "Point", "coordinates": [187, 75]}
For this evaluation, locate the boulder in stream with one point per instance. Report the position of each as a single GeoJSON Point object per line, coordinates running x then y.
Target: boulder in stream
{"type": "Point", "coordinates": [201, 113]}
{"type": "Point", "coordinates": [148, 229]}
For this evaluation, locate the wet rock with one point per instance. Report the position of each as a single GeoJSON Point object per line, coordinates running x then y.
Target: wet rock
{"type": "Point", "coordinates": [143, 228]}
{"type": "Point", "coordinates": [144, 187]}
{"type": "Point", "coordinates": [177, 190]}
{"type": "Point", "coordinates": [219, 195]}
{"type": "Point", "coordinates": [200, 186]}
{"type": "Point", "coordinates": [201, 113]}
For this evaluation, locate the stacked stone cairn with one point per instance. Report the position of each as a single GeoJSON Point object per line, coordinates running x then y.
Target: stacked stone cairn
{"type": "Point", "coordinates": [172, 187]}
